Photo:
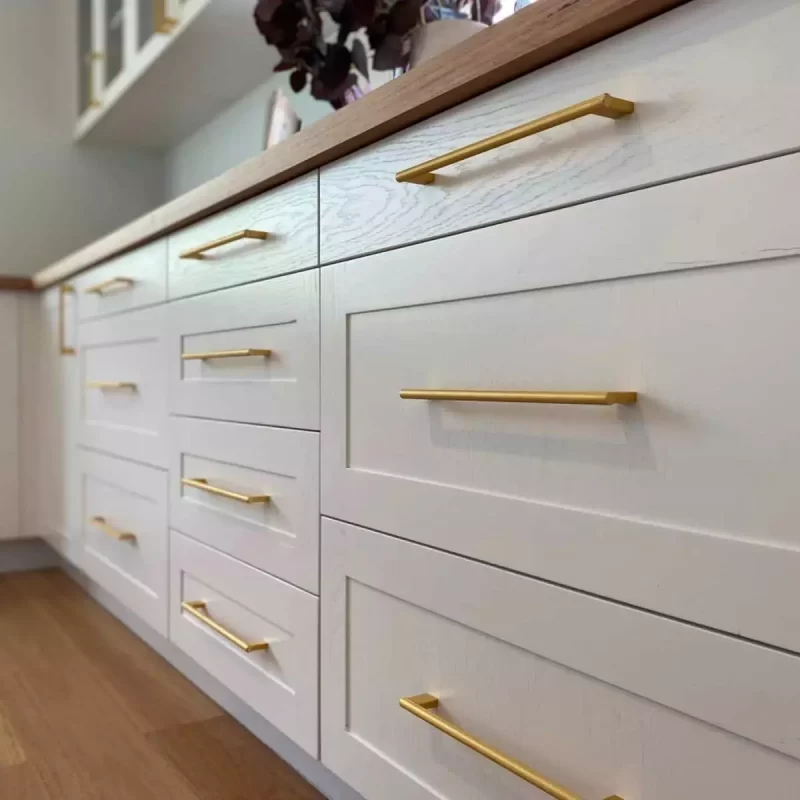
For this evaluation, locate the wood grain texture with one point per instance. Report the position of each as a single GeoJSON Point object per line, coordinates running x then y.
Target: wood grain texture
{"type": "Point", "coordinates": [13, 283]}
{"type": "Point", "coordinates": [100, 715]}
{"type": "Point", "coordinates": [689, 88]}
{"type": "Point", "coordinates": [538, 35]}
{"type": "Point", "coordinates": [223, 761]}
{"type": "Point", "coordinates": [642, 505]}
{"type": "Point", "coordinates": [602, 698]}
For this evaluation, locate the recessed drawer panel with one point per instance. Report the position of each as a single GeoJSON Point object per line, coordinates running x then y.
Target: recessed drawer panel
{"type": "Point", "coordinates": [255, 634]}
{"type": "Point", "coordinates": [699, 106]}
{"type": "Point", "coordinates": [250, 491]}
{"type": "Point", "coordinates": [123, 385]}
{"type": "Point", "coordinates": [131, 281]}
{"type": "Point", "coordinates": [124, 525]}
{"type": "Point", "coordinates": [249, 354]}
{"type": "Point", "coordinates": [603, 700]}
{"type": "Point", "coordinates": [681, 500]}
{"type": "Point", "coordinates": [270, 235]}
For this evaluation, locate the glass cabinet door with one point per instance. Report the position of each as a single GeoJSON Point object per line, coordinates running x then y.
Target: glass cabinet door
{"type": "Point", "coordinates": [114, 18]}
{"type": "Point", "coordinates": [87, 57]}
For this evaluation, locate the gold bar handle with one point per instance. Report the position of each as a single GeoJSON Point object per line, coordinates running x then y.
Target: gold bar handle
{"type": "Point", "coordinates": [112, 283]}
{"type": "Point", "coordinates": [199, 610]}
{"type": "Point", "coordinates": [603, 105]}
{"type": "Point", "coordinates": [250, 351]}
{"type": "Point", "coordinates": [110, 530]}
{"type": "Point", "coordinates": [197, 252]}
{"type": "Point", "coordinates": [162, 22]}
{"type": "Point", "coordinates": [205, 486]}
{"type": "Point", "coordinates": [63, 291]}
{"type": "Point", "coordinates": [420, 706]}
{"type": "Point", "coordinates": [559, 398]}
{"type": "Point", "coordinates": [111, 385]}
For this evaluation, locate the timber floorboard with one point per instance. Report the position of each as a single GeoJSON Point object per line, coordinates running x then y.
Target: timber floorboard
{"type": "Point", "coordinates": [89, 712]}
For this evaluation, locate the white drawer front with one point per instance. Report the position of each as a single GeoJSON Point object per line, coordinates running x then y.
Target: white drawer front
{"type": "Point", "coordinates": [288, 215]}
{"type": "Point", "coordinates": [123, 385]}
{"type": "Point", "coordinates": [691, 88]}
{"type": "Point", "coordinates": [279, 317]}
{"type": "Point", "coordinates": [602, 699]}
{"type": "Point", "coordinates": [281, 535]}
{"type": "Point", "coordinates": [124, 527]}
{"type": "Point", "coordinates": [279, 683]}
{"type": "Point", "coordinates": [641, 503]}
{"type": "Point", "coordinates": [131, 281]}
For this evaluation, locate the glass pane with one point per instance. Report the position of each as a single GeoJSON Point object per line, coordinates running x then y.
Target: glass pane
{"type": "Point", "coordinates": [146, 22]}
{"type": "Point", "coordinates": [84, 54]}
{"type": "Point", "coordinates": [114, 24]}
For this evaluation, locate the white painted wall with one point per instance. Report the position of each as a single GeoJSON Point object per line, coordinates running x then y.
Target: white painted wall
{"type": "Point", "coordinates": [9, 415]}
{"type": "Point", "coordinates": [237, 134]}
{"type": "Point", "coordinates": [55, 197]}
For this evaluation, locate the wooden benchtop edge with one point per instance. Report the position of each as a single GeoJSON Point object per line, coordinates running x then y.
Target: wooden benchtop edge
{"type": "Point", "coordinates": [543, 32]}
{"type": "Point", "coordinates": [14, 283]}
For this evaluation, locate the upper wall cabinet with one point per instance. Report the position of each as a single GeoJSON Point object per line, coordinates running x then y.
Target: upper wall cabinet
{"type": "Point", "coordinates": [151, 72]}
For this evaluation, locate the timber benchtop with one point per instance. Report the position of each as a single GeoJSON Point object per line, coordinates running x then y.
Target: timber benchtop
{"type": "Point", "coordinates": [542, 33]}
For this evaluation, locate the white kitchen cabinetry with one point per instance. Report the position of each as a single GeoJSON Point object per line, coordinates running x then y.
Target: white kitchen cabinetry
{"type": "Point", "coordinates": [154, 71]}
{"type": "Point", "coordinates": [53, 472]}
{"type": "Point", "coordinates": [678, 294]}
{"type": "Point", "coordinates": [10, 397]}
{"type": "Point", "coordinates": [599, 698]}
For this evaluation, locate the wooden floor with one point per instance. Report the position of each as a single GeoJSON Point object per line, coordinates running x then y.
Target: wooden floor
{"type": "Point", "coordinates": [89, 712]}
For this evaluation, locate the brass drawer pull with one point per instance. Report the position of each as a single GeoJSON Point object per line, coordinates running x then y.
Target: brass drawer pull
{"type": "Point", "coordinates": [602, 106]}
{"type": "Point", "coordinates": [111, 385]}
{"type": "Point", "coordinates": [110, 530]}
{"type": "Point", "coordinates": [199, 610]}
{"type": "Point", "coordinates": [420, 706]}
{"type": "Point", "coordinates": [250, 351]}
{"type": "Point", "coordinates": [111, 283]}
{"type": "Point", "coordinates": [197, 252]}
{"type": "Point", "coordinates": [560, 398]}
{"type": "Point", "coordinates": [63, 291]}
{"type": "Point", "coordinates": [205, 486]}
{"type": "Point", "coordinates": [162, 22]}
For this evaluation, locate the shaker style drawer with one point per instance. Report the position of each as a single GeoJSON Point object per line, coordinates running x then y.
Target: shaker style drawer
{"type": "Point", "coordinates": [250, 491]}
{"type": "Point", "coordinates": [124, 533]}
{"type": "Point", "coordinates": [602, 700]}
{"type": "Point", "coordinates": [270, 235]}
{"type": "Point", "coordinates": [131, 281]}
{"type": "Point", "coordinates": [255, 634]}
{"type": "Point", "coordinates": [123, 385]}
{"type": "Point", "coordinates": [249, 354]}
{"type": "Point", "coordinates": [699, 106]}
{"type": "Point", "coordinates": [681, 498]}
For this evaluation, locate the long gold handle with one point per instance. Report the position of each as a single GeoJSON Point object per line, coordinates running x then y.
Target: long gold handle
{"type": "Point", "coordinates": [205, 486]}
{"type": "Point", "coordinates": [420, 706]}
{"type": "Point", "coordinates": [199, 610]}
{"type": "Point", "coordinates": [197, 252]}
{"type": "Point", "coordinates": [111, 385]}
{"type": "Point", "coordinates": [250, 351]}
{"type": "Point", "coordinates": [110, 530]}
{"type": "Point", "coordinates": [63, 291]}
{"type": "Point", "coordinates": [111, 283]}
{"type": "Point", "coordinates": [92, 59]}
{"type": "Point", "coordinates": [560, 398]}
{"type": "Point", "coordinates": [602, 106]}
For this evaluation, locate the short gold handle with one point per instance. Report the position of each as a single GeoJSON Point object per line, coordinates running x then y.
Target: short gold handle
{"type": "Point", "coordinates": [205, 486]}
{"type": "Point", "coordinates": [602, 106]}
{"type": "Point", "coordinates": [162, 22]}
{"type": "Point", "coordinates": [63, 291]}
{"type": "Point", "coordinates": [111, 385]}
{"type": "Point", "coordinates": [420, 706]}
{"type": "Point", "coordinates": [199, 610]}
{"type": "Point", "coordinates": [560, 398]}
{"type": "Point", "coordinates": [110, 530]}
{"type": "Point", "coordinates": [92, 58]}
{"type": "Point", "coordinates": [112, 283]}
{"type": "Point", "coordinates": [197, 252]}
{"type": "Point", "coordinates": [250, 351]}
